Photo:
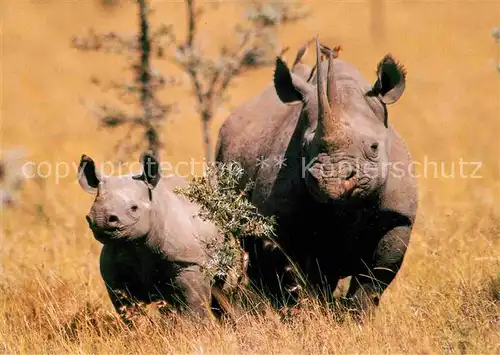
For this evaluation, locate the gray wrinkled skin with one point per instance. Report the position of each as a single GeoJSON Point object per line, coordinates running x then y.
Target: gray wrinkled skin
{"type": "Point", "coordinates": [154, 243]}
{"type": "Point", "coordinates": [332, 170]}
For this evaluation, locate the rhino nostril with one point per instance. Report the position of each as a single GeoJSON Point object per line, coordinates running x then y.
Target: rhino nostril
{"type": "Point", "coordinates": [112, 219]}
{"type": "Point", "coordinates": [348, 173]}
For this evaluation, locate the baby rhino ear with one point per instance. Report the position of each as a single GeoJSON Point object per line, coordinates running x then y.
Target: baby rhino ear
{"type": "Point", "coordinates": [88, 178]}
{"type": "Point", "coordinates": [150, 169]}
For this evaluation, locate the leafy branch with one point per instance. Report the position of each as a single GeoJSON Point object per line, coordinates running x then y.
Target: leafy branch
{"type": "Point", "coordinates": [224, 203]}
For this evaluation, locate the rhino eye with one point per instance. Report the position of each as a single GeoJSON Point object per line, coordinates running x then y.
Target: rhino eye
{"type": "Point", "coordinates": [374, 147]}
{"type": "Point", "coordinates": [134, 208]}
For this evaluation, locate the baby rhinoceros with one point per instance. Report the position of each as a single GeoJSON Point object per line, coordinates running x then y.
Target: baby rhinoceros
{"type": "Point", "coordinates": [155, 244]}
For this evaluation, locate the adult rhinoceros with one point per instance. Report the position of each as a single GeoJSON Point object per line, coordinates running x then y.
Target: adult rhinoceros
{"type": "Point", "coordinates": [332, 170]}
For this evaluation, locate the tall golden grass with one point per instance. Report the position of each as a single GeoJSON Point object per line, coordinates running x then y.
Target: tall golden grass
{"type": "Point", "coordinates": [444, 300]}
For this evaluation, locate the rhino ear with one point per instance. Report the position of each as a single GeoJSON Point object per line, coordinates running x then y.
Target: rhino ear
{"type": "Point", "coordinates": [391, 80]}
{"type": "Point", "coordinates": [88, 178]}
{"type": "Point", "coordinates": [290, 88]}
{"type": "Point", "coordinates": [150, 170]}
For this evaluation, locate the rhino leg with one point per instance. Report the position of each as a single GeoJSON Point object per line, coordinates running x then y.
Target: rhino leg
{"type": "Point", "coordinates": [367, 286]}
{"type": "Point", "coordinates": [269, 272]}
{"type": "Point", "coordinates": [113, 266]}
{"type": "Point", "coordinates": [196, 290]}
{"type": "Point", "coordinates": [124, 304]}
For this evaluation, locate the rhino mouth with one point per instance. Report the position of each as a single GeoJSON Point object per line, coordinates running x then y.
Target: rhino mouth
{"type": "Point", "coordinates": [105, 234]}
{"type": "Point", "coordinates": [330, 183]}
{"type": "Point", "coordinates": [326, 191]}
{"type": "Point", "coordinates": [338, 190]}
{"type": "Point", "coordinates": [116, 235]}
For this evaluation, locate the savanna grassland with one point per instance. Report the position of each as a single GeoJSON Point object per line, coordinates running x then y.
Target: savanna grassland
{"type": "Point", "coordinates": [446, 299]}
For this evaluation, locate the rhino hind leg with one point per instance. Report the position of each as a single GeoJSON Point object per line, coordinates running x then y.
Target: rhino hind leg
{"type": "Point", "coordinates": [196, 291]}
{"type": "Point", "coordinates": [375, 276]}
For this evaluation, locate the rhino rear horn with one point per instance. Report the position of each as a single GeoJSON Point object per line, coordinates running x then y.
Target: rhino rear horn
{"type": "Point", "coordinates": [391, 80]}
{"type": "Point", "coordinates": [88, 178]}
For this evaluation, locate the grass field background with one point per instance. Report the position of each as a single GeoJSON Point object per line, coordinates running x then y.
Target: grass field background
{"type": "Point", "coordinates": [446, 299]}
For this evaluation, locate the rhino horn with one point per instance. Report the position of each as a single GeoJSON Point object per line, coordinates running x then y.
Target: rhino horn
{"type": "Point", "coordinates": [324, 107]}
{"type": "Point", "coordinates": [329, 102]}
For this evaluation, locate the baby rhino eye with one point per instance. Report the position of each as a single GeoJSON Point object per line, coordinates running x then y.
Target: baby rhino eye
{"type": "Point", "coordinates": [134, 208]}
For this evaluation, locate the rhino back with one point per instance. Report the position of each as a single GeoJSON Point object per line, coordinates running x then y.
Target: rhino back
{"type": "Point", "coordinates": [179, 233]}
{"type": "Point", "coordinates": [252, 128]}
{"type": "Point", "coordinates": [257, 135]}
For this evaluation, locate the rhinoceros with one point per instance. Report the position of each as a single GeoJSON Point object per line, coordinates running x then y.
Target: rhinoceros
{"type": "Point", "coordinates": [335, 174]}
{"type": "Point", "coordinates": [154, 243]}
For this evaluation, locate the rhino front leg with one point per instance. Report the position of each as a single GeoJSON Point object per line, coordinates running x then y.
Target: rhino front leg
{"type": "Point", "coordinates": [113, 265]}
{"type": "Point", "coordinates": [196, 290]}
{"type": "Point", "coordinates": [124, 304]}
{"type": "Point", "coordinates": [375, 275]}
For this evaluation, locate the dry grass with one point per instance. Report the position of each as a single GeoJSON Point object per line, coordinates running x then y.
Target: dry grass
{"type": "Point", "coordinates": [445, 300]}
